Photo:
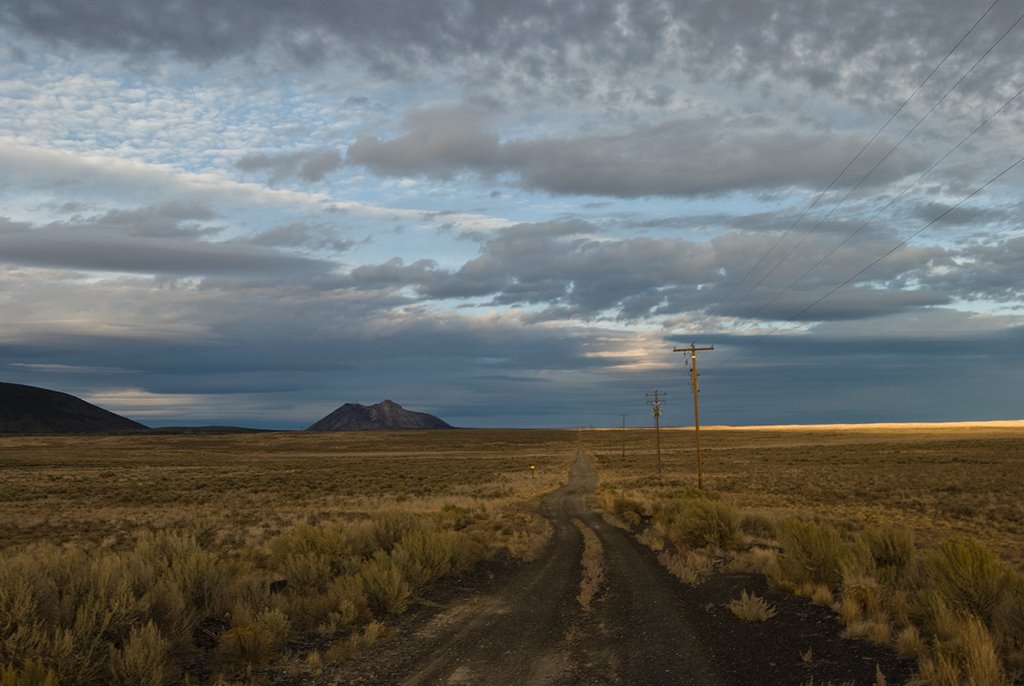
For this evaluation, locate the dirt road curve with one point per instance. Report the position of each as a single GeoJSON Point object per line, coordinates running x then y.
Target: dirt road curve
{"type": "Point", "coordinates": [644, 627]}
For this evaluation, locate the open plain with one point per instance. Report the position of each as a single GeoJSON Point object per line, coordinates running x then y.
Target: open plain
{"type": "Point", "coordinates": [313, 558]}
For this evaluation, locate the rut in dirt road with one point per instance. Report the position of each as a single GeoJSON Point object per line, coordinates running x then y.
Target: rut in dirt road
{"type": "Point", "coordinates": [529, 627]}
{"type": "Point", "coordinates": [533, 631]}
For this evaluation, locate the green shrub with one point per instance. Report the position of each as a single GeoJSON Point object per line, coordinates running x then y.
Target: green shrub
{"type": "Point", "coordinates": [968, 576]}
{"type": "Point", "coordinates": [1008, 625]}
{"type": "Point", "coordinates": [142, 660]}
{"type": "Point", "coordinates": [387, 591]}
{"type": "Point", "coordinates": [627, 509]}
{"type": "Point", "coordinates": [811, 553]}
{"type": "Point", "coordinates": [759, 525]}
{"type": "Point", "coordinates": [329, 541]}
{"type": "Point", "coordinates": [425, 556]}
{"type": "Point", "coordinates": [891, 550]}
{"type": "Point", "coordinates": [698, 521]}
{"type": "Point", "coordinates": [391, 527]}
{"type": "Point", "coordinates": [252, 644]}
{"type": "Point", "coordinates": [968, 658]}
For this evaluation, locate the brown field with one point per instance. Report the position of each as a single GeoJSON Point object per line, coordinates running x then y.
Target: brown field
{"type": "Point", "coordinates": [940, 482]}
{"type": "Point", "coordinates": [245, 488]}
{"type": "Point", "coordinates": [152, 559]}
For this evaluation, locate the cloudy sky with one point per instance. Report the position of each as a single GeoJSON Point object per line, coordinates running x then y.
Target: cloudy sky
{"type": "Point", "coordinates": [509, 213]}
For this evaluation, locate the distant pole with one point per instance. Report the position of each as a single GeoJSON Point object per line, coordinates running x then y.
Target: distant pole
{"type": "Point", "coordinates": [654, 399]}
{"type": "Point", "coordinates": [693, 350]}
{"type": "Point", "coordinates": [623, 436]}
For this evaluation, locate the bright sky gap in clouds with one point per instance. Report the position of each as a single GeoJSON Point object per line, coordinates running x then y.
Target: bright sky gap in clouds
{"type": "Point", "coordinates": [508, 214]}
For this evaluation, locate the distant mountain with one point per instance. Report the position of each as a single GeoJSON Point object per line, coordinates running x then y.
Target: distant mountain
{"type": "Point", "coordinates": [32, 410]}
{"type": "Point", "coordinates": [380, 417]}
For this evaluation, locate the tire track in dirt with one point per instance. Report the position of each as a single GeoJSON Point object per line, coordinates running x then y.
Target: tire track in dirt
{"type": "Point", "coordinates": [526, 626]}
{"type": "Point", "coordinates": [533, 631]}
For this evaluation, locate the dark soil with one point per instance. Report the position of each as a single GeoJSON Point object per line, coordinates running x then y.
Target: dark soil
{"type": "Point", "coordinates": [520, 623]}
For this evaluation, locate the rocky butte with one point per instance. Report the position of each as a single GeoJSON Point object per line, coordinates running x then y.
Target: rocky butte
{"type": "Point", "coordinates": [384, 416]}
{"type": "Point", "coordinates": [33, 410]}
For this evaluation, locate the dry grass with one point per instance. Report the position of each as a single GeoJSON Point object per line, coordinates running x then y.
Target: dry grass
{"type": "Point", "coordinates": [241, 490]}
{"type": "Point", "coordinates": [751, 608]}
{"type": "Point", "coordinates": [895, 529]}
{"type": "Point", "coordinates": [937, 483]}
{"type": "Point", "coordinates": [690, 567]}
{"type": "Point", "coordinates": [591, 564]}
{"type": "Point", "coordinates": [155, 559]}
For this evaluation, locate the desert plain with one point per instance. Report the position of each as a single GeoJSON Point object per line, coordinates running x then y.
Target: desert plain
{"type": "Point", "coordinates": [344, 557]}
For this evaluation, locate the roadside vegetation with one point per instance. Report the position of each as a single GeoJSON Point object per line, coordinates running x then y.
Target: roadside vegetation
{"type": "Point", "coordinates": [950, 602]}
{"type": "Point", "coordinates": [209, 560]}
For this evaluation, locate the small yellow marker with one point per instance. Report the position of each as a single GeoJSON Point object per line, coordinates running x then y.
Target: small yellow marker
{"type": "Point", "coordinates": [533, 470]}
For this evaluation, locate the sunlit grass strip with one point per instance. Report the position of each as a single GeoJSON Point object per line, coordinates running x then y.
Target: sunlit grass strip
{"type": "Point", "coordinates": [592, 565]}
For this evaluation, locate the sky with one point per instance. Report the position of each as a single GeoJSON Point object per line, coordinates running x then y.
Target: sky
{"type": "Point", "coordinates": [511, 213]}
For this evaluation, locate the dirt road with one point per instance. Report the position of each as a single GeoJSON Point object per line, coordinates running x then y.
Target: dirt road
{"type": "Point", "coordinates": [644, 627]}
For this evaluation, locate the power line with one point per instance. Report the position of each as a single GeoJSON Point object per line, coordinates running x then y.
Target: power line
{"type": "Point", "coordinates": [876, 261]}
{"type": "Point", "coordinates": [859, 153]}
{"type": "Point", "coordinates": [889, 204]}
{"type": "Point", "coordinates": [881, 161]}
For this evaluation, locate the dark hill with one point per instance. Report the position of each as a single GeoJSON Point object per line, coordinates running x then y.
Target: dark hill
{"type": "Point", "coordinates": [32, 410]}
{"type": "Point", "coordinates": [380, 417]}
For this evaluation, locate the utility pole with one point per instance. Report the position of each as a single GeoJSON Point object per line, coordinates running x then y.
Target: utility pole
{"type": "Point", "coordinates": [654, 399]}
{"type": "Point", "coordinates": [692, 364]}
{"type": "Point", "coordinates": [623, 435]}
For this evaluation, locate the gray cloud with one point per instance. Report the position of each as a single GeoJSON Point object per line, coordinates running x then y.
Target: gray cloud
{"type": "Point", "coordinates": [575, 272]}
{"type": "Point", "coordinates": [166, 220]}
{"type": "Point", "coordinates": [985, 271]}
{"type": "Point", "coordinates": [86, 249]}
{"type": "Point", "coordinates": [302, 235]}
{"type": "Point", "coordinates": [309, 165]}
{"type": "Point", "coordinates": [824, 44]}
{"type": "Point", "coordinates": [677, 158]}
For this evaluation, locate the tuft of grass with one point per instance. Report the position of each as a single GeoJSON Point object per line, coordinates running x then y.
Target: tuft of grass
{"type": "Point", "coordinates": [822, 595]}
{"type": "Point", "coordinates": [968, 658]}
{"type": "Point", "coordinates": [909, 643]}
{"type": "Point", "coordinates": [358, 642]}
{"type": "Point", "coordinates": [751, 608]}
{"type": "Point", "coordinates": [968, 576]}
{"type": "Point", "coordinates": [870, 630]}
{"type": "Point", "coordinates": [690, 567]}
{"type": "Point", "coordinates": [890, 549]}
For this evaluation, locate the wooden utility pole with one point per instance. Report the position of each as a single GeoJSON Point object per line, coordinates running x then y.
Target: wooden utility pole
{"type": "Point", "coordinates": [692, 363]}
{"type": "Point", "coordinates": [654, 399]}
